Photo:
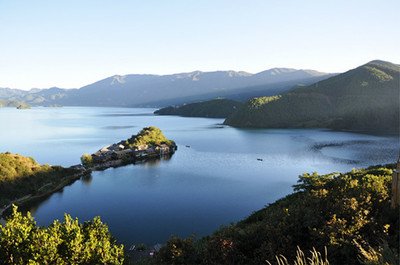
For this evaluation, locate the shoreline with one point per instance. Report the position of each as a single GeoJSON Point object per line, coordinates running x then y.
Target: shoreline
{"type": "Point", "coordinates": [67, 181]}
{"type": "Point", "coordinates": [31, 197]}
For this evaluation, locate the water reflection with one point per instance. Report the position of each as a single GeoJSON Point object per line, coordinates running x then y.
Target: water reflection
{"type": "Point", "coordinates": [87, 179]}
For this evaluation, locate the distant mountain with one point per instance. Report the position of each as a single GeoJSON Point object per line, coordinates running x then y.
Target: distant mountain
{"type": "Point", "coordinates": [365, 98]}
{"type": "Point", "coordinates": [35, 96]}
{"type": "Point", "coordinates": [215, 108]}
{"type": "Point", "coordinates": [164, 90]}
{"type": "Point", "coordinates": [10, 103]}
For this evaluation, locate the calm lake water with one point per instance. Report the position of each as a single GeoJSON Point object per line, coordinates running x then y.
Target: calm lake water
{"type": "Point", "coordinates": [213, 179]}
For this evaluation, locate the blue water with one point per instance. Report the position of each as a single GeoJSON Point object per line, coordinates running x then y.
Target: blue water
{"type": "Point", "coordinates": [215, 181]}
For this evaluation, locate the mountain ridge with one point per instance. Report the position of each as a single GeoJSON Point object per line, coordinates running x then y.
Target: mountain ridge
{"type": "Point", "coordinates": [366, 97]}
{"type": "Point", "coordinates": [161, 90]}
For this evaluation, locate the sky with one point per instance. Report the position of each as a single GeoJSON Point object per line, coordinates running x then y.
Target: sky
{"type": "Point", "coordinates": [70, 44]}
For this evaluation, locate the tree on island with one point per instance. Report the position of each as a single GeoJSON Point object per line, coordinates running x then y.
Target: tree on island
{"type": "Point", "coordinates": [86, 160]}
{"type": "Point", "coordinates": [149, 136]}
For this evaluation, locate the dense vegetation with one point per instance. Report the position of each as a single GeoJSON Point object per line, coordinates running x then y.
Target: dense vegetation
{"type": "Point", "coordinates": [216, 108]}
{"type": "Point", "coordinates": [149, 136]}
{"type": "Point", "coordinates": [23, 242]}
{"type": "Point", "coordinates": [344, 212]}
{"type": "Point", "coordinates": [20, 176]}
{"type": "Point", "coordinates": [365, 98]}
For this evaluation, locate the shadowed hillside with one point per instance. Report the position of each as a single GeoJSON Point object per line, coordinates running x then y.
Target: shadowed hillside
{"type": "Point", "coordinates": [216, 108]}
{"type": "Point", "coordinates": [365, 98]}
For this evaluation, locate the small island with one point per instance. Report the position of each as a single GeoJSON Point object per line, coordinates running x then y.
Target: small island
{"type": "Point", "coordinates": [22, 106]}
{"type": "Point", "coordinates": [149, 143]}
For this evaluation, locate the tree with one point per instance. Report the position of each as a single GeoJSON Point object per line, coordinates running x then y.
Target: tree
{"type": "Point", "coordinates": [69, 242]}
{"type": "Point", "coordinates": [86, 160]}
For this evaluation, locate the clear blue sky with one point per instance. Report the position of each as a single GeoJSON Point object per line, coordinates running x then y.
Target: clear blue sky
{"type": "Point", "coordinates": [72, 43]}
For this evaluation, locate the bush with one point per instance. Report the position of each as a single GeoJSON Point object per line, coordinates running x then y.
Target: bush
{"type": "Point", "coordinates": [69, 242]}
{"type": "Point", "coordinates": [87, 160]}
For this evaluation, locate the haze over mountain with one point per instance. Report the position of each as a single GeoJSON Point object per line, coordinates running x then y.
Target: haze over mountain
{"type": "Point", "coordinates": [366, 97]}
{"type": "Point", "coordinates": [163, 90]}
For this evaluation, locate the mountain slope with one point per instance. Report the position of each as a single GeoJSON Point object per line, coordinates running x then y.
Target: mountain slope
{"type": "Point", "coordinates": [150, 90]}
{"type": "Point", "coordinates": [9, 103]}
{"type": "Point", "coordinates": [216, 108]}
{"type": "Point", "coordinates": [363, 98]}
{"type": "Point", "coordinates": [164, 90]}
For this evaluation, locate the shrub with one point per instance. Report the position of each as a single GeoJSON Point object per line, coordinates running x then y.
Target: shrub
{"type": "Point", "coordinates": [69, 242]}
{"type": "Point", "coordinates": [87, 160]}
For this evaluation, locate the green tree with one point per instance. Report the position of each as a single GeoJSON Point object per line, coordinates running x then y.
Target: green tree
{"type": "Point", "coordinates": [69, 242]}
{"type": "Point", "coordinates": [149, 136]}
{"type": "Point", "coordinates": [86, 160]}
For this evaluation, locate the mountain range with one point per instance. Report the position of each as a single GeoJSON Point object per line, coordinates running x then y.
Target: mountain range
{"type": "Point", "coordinates": [364, 98]}
{"type": "Point", "coordinates": [163, 90]}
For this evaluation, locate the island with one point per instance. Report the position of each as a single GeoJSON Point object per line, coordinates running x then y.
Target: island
{"type": "Point", "coordinates": [23, 106]}
{"type": "Point", "coordinates": [149, 143]}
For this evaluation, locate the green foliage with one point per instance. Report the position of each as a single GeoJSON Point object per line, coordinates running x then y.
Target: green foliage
{"type": "Point", "coordinates": [177, 251]}
{"type": "Point", "coordinates": [365, 98]}
{"type": "Point", "coordinates": [216, 108]}
{"type": "Point", "coordinates": [69, 242]}
{"type": "Point", "coordinates": [86, 160]}
{"type": "Point", "coordinates": [379, 74]}
{"type": "Point", "coordinates": [149, 136]}
{"type": "Point", "coordinates": [256, 103]}
{"type": "Point", "coordinates": [20, 176]}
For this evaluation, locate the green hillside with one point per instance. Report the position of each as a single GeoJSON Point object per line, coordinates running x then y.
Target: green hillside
{"type": "Point", "coordinates": [149, 136]}
{"type": "Point", "coordinates": [342, 212]}
{"type": "Point", "coordinates": [216, 108]}
{"type": "Point", "coordinates": [365, 98]}
{"type": "Point", "coordinates": [20, 176]}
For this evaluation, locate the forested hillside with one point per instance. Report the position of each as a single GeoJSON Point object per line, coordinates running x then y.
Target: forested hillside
{"type": "Point", "coordinates": [365, 98]}
{"type": "Point", "coordinates": [20, 176]}
{"type": "Point", "coordinates": [216, 108]}
{"type": "Point", "coordinates": [346, 213]}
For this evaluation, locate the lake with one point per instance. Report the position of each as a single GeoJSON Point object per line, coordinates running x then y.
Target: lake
{"type": "Point", "coordinates": [215, 177]}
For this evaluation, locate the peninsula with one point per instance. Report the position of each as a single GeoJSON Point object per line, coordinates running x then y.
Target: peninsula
{"type": "Point", "coordinates": [149, 143]}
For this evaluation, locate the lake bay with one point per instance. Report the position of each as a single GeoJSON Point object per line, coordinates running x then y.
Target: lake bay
{"type": "Point", "coordinates": [218, 175]}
